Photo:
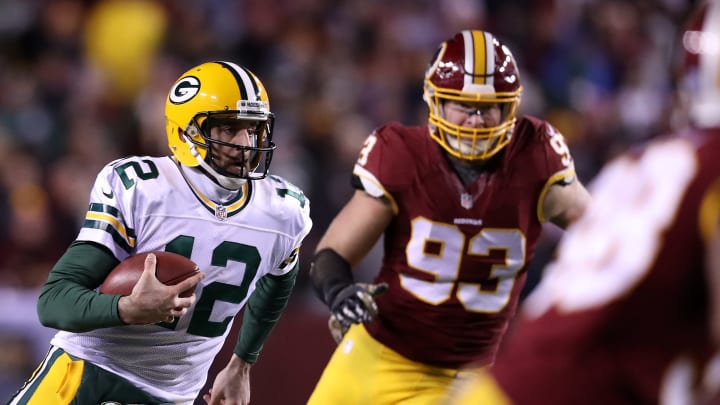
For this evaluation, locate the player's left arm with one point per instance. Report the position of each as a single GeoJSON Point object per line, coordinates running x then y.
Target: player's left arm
{"type": "Point", "coordinates": [264, 307]}
{"type": "Point", "coordinates": [232, 384]}
{"type": "Point", "coordinates": [262, 312]}
{"type": "Point", "coordinates": [273, 290]}
{"type": "Point", "coordinates": [563, 198]}
{"type": "Point", "coordinates": [565, 202]}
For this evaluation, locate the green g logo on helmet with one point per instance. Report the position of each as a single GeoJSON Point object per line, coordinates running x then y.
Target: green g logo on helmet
{"type": "Point", "coordinates": [184, 90]}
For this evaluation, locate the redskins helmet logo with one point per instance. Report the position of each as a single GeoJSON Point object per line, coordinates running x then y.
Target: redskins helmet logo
{"type": "Point", "coordinates": [184, 90]}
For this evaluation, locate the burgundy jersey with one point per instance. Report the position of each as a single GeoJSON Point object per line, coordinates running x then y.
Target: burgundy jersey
{"type": "Point", "coordinates": [621, 316]}
{"type": "Point", "coordinates": [455, 256]}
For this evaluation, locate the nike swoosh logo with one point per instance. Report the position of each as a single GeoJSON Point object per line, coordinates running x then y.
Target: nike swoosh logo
{"type": "Point", "coordinates": [108, 195]}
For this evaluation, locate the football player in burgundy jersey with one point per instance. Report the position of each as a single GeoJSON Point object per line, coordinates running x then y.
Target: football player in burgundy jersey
{"type": "Point", "coordinates": [461, 202]}
{"type": "Point", "coordinates": [629, 312]}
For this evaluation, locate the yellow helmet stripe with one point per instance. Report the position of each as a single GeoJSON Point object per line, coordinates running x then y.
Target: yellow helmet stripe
{"type": "Point", "coordinates": [480, 58]}
{"type": "Point", "coordinates": [480, 52]}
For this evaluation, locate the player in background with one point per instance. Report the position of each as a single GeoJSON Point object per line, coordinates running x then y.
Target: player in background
{"type": "Point", "coordinates": [460, 201]}
{"type": "Point", "coordinates": [629, 312]}
{"type": "Point", "coordinates": [212, 201]}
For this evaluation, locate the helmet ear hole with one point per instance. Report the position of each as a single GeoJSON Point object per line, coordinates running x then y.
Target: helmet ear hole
{"type": "Point", "coordinates": [192, 134]}
{"type": "Point", "coordinates": [191, 130]}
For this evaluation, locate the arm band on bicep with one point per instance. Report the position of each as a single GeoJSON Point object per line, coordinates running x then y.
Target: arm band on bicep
{"type": "Point", "coordinates": [330, 273]}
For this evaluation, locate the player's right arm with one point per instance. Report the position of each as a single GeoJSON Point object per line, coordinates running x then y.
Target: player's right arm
{"type": "Point", "coordinates": [351, 235]}
{"type": "Point", "coordinates": [151, 301]}
{"type": "Point", "coordinates": [68, 300]}
{"type": "Point", "coordinates": [379, 171]}
{"type": "Point", "coordinates": [356, 228]}
{"type": "Point", "coordinates": [354, 231]}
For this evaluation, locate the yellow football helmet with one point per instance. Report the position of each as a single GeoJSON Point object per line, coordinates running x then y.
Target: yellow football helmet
{"type": "Point", "coordinates": [222, 91]}
{"type": "Point", "coordinates": [472, 67]}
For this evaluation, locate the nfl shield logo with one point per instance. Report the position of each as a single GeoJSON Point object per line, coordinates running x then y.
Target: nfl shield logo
{"type": "Point", "coordinates": [220, 212]}
{"type": "Point", "coordinates": [466, 201]}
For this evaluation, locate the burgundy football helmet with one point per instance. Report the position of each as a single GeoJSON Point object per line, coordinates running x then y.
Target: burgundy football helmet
{"type": "Point", "coordinates": [472, 67]}
{"type": "Point", "coordinates": [700, 70]}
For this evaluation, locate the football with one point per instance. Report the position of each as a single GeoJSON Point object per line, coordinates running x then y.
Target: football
{"type": "Point", "coordinates": [171, 269]}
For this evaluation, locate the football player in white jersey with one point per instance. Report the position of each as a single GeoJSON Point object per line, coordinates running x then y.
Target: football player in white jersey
{"type": "Point", "coordinates": [212, 201]}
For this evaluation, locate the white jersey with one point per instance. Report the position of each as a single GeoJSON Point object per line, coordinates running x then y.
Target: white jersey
{"type": "Point", "coordinates": [141, 204]}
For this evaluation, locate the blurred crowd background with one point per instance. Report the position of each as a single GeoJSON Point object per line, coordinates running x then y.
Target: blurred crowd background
{"type": "Point", "coordinates": [84, 82]}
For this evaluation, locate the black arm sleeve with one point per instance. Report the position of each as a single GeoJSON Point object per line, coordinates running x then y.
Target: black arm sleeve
{"type": "Point", "coordinates": [68, 300]}
{"type": "Point", "coordinates": [330, 273]}
{"type": "Point", "coordinates": [262, 312]}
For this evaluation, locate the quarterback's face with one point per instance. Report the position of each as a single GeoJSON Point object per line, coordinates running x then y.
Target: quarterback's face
{"type": "Point", "coordinates": [236, 132]}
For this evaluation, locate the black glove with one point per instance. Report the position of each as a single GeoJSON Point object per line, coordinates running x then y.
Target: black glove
{"type": "Point", "coordinates": [349, 302]}
{"type": "Point", "coordinates": [353, 304]}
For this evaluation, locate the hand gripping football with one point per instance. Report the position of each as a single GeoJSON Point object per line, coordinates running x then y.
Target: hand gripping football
{"type": "Point", "coordinates": [171, 269]}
